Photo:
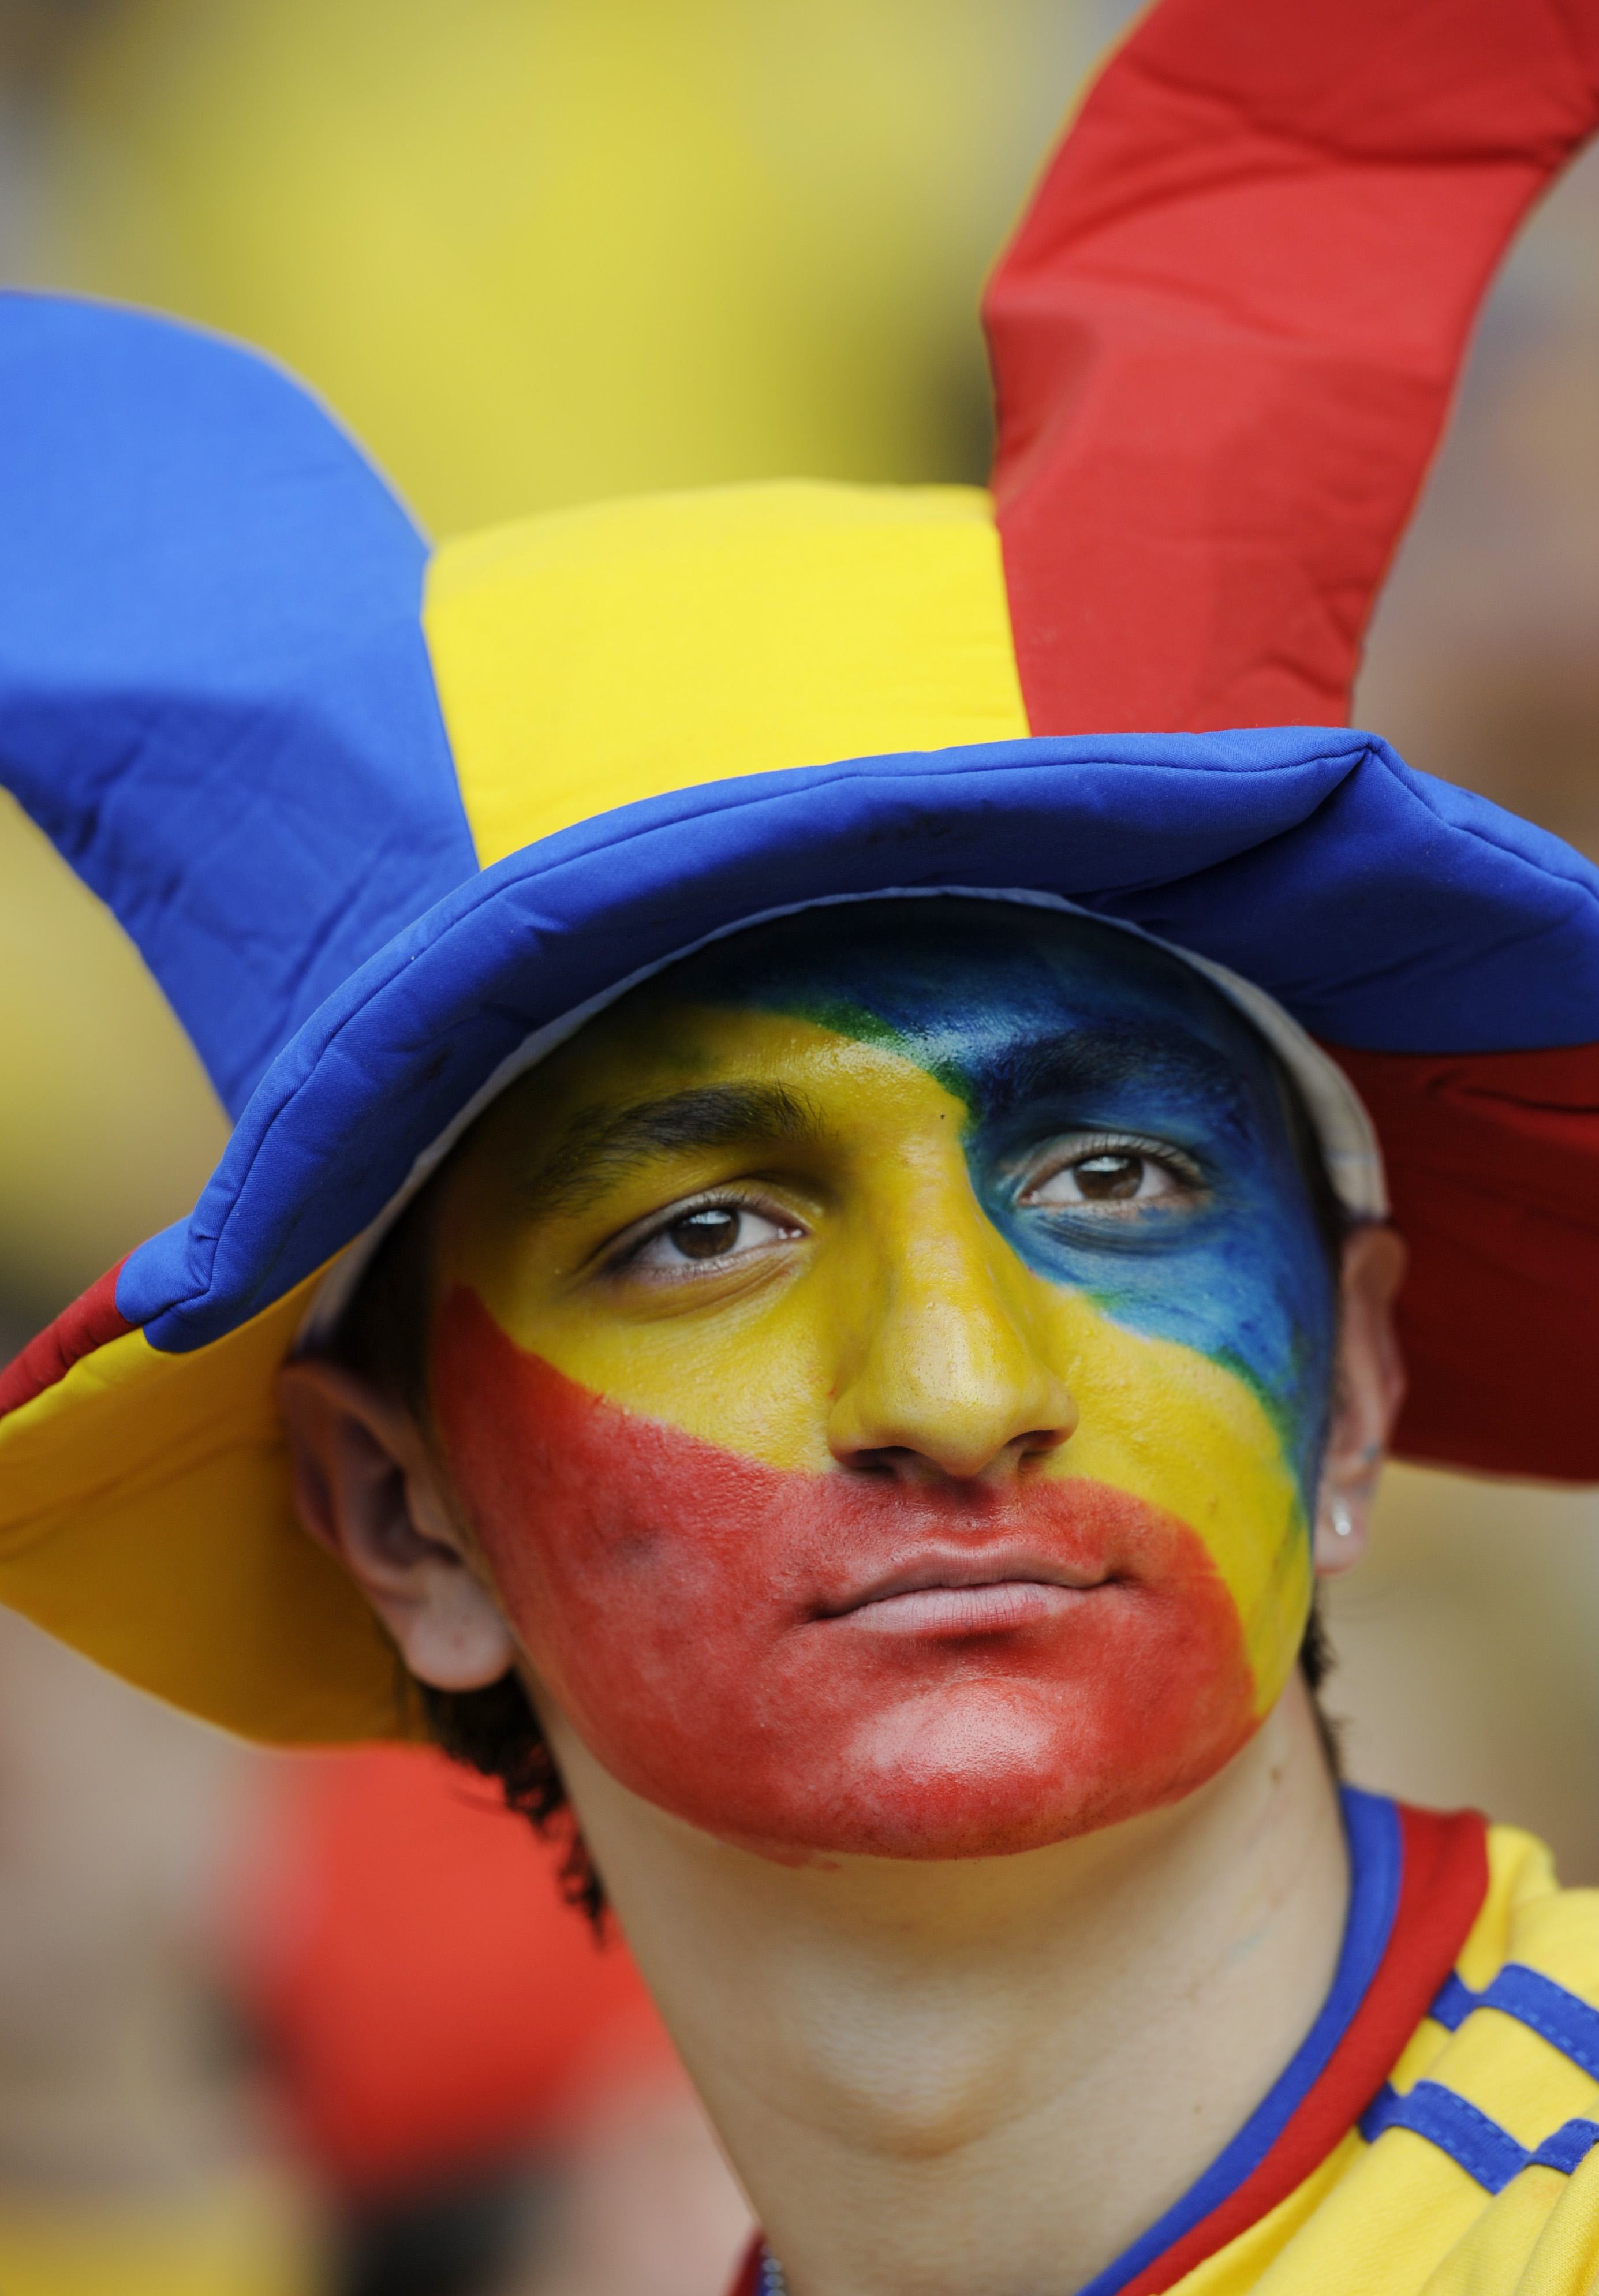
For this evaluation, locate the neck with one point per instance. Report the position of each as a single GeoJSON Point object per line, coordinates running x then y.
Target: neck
{"type": "Point", "coordinates": [994, 2073]}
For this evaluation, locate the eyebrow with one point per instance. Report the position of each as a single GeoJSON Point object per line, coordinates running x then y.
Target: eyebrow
{"type": "Point", "coordinates": [1091, 1060]}
{"type": "Point", "coordinates": [600, 1147]}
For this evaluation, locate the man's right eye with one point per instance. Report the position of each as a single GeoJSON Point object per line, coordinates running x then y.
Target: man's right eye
{"type": "Point", "coordinates": [709, 1232]}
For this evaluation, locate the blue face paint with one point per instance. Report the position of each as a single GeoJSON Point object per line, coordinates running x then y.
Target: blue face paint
{"type": "Point", "coordinates": [1046, 1025]}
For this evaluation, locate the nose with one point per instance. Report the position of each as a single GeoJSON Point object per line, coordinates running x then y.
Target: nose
{"type": "Point", "coordinates": [953, 1380]}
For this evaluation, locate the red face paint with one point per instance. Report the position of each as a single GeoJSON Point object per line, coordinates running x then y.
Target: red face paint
{"type": "Point", "coordinates": [699, 1618]}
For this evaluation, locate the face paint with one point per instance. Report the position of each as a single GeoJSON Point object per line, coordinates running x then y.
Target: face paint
{"type": "Point", "coordinates": [705, 1622]}
{"type": "Point", "coordinates": [884, 1366]}
{"type": "Point", "coordinates": [1033, 1025]}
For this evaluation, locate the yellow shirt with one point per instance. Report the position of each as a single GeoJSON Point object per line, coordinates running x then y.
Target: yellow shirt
{"type": "Point", "coordinates": [1437, 2133]}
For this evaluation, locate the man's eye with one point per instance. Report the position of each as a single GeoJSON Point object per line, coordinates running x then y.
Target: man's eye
{"type": "Point", "coordinates": [1121, 1178]}
{"type": "Point", "coordinates": [1114, 1176]}
{"type": "Point", "coordinates": [710, 1232]}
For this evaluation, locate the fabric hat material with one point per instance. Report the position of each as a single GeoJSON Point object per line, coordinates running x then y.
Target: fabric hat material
{"type": "Point", "coordinates": [380, 818]}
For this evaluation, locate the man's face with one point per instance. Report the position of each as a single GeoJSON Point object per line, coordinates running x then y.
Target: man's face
{"type": "Point", "coordinates": [885, 1364]}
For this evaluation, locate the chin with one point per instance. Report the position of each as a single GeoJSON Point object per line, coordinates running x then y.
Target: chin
{"type": "Point", "coordinates": [981, 1770]}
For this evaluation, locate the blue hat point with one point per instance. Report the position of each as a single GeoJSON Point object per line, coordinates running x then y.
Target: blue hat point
{"type": "Point", "coordinates": [215, 693]}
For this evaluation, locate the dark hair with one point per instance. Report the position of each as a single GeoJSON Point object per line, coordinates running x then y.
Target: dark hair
{"type": "Point", "coordinates": [382, 1337]}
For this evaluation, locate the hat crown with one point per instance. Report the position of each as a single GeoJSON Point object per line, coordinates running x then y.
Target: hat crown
{"type": "Point", "coordinates": [590, 659]}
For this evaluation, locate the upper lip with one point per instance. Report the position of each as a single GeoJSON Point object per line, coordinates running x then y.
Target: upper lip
{"type": "Point", "coordinates": [967, 1570]}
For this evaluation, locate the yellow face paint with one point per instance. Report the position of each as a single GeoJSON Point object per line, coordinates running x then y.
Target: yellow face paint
{"type": "Point", "coordinates": [743, 1327]}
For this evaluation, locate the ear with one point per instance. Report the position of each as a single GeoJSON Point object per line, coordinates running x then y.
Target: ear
{"type": "Point", "coordinates": [369, 1489]}
{"type": "Point", "coordinates": [1368, 1389]}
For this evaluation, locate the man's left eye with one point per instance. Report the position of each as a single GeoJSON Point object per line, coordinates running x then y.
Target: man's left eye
{"type": "Point", "coordinates": [1114, 1177]}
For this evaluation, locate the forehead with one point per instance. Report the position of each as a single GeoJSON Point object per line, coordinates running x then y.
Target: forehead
{"type": "Point", "coordinates": [1000, 1001]}
{"type": "Point", "coordinates": [965, 988]}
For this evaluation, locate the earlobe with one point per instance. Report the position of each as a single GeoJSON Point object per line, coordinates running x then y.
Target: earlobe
{"type": "Point", "coordinates": [1369, 1388]}
{"type": "Point", "coordinates": [1342, 1531]}
{"type": "Point", "coordinates": [368, 1488]}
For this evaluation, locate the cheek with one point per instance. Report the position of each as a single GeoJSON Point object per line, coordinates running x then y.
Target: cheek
{"type": "Point", "coordinates": [695, 1373]}
{"type": "Point", "coordinates": [1254, 1296]}
{"type": "Point", "coordinates": [1197, 1442]}
{"type": "Point", "coordinates": [677, 1598]}
{"type": "Point", "coordinates": [615, 1540]}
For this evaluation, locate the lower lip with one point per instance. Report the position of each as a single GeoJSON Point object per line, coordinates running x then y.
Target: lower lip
{"type": "Point", "coordinates": [999, 1608]}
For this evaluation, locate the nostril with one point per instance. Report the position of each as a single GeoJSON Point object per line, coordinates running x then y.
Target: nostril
{"type": "Point", "coordinates": [886, 1466]}
{"type": "Point", "coordinates": [903, 1464]}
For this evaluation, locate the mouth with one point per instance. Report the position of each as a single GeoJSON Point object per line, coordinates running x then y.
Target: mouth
{"type": "Point", "coordinates": [968, 1594]}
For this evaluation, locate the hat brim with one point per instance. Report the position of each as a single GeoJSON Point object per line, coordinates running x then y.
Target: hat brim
{"type": "Point", "coordinates": [147, 1521]}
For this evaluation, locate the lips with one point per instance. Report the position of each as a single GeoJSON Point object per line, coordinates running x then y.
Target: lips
{"type": "Point", "coordinates": [1003, 1606]}
{"type": "Point", "coordinates": [806, 1664]}
{"type": "Point", "coordinates": [969, 1594]}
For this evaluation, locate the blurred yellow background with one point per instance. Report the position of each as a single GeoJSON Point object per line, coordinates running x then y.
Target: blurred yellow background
{"type": "Point", "coordinates": [537, 251]}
